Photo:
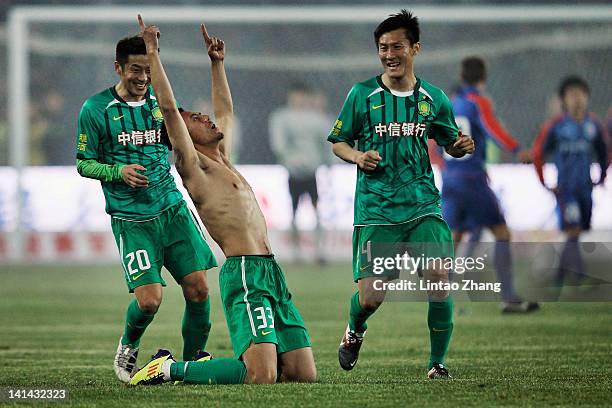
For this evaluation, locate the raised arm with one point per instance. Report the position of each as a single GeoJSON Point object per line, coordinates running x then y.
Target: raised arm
{"type": "Point", "coordinates": [184, 150]}
{"type": "Point", "coordinates": [221, 95]}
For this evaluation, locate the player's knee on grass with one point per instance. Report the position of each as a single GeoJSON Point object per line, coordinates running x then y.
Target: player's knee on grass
{"type": "Point", "coordinates": [260, 361]}
{"type": "Point", "coordinates": [304, 375]}
{"type": "Point", "coordinates": [195, 287]}
{"type": "Point", "coordinates": [260, 374]}
{"type": "Point", "coordinates": [298, 366]}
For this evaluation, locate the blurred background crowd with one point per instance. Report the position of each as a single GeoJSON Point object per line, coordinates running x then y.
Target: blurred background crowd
{"type": "Point", "coordinates": [71, 61]}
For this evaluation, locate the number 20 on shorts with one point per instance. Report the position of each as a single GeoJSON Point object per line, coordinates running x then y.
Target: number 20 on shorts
{"type": "Point", "coordinates": [141, 258]}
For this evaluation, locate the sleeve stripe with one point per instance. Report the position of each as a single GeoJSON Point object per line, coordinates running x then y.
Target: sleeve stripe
{"type": "Point", "coordinates": [495, 129]}
{"type": "Point", "coordinates": [538, 147]}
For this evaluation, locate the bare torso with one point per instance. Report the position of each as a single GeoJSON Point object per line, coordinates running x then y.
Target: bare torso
{"type": "Point", "coordinates": [228, 208]}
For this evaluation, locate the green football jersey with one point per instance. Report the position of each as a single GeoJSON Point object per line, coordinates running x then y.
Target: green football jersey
{"type": "Point", "coordinates": [396, 125]}
{"type": "Point", "coordinates": [112, 131]}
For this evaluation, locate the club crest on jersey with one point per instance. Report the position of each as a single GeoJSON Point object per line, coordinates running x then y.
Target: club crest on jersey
{"type": "Point", "coordinates": [425, 108]}
{"type": "Point", "coordinates": [157, 115]}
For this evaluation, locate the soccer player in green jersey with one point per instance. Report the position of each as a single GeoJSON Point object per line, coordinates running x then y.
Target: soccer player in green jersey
{"type": "Point", "coordinates": [120, 143]}
{"type": "Point", "coordinates": [383, 128]}
{"type": "Point", "coordinates": [267, 331]}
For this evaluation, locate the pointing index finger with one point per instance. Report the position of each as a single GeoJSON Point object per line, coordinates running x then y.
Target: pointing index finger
{"type": "Point", "coordinates": [204, 32]}
{"type": "Point", "coordinates": [141, 23]}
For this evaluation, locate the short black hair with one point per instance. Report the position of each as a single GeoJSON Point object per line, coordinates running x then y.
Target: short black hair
{"type": "Point", "coordinates": [473, 70]}
{"type": "Point", "coordinates": [129, 46]}
{"type": "Point", "coordinates": [403, 19]}
{"type": "Point", "coordinates": [571, 82]}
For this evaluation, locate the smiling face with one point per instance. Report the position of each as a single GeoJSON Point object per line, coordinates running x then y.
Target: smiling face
{"type": "Point", "coordinates": [135, 76]}
{"type": "Point", "coordinates": [201, 129]}
{"type": "Point", "coordinates": [396, 54]}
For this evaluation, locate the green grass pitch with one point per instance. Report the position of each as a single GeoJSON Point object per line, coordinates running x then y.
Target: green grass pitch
{"type": "Point", "coordinates": [59, 328]}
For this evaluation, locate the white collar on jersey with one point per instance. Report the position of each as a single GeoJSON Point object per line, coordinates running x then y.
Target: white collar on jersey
{"type": "Point", "coordinates": [132, 104]}
{"type": "Point", "coordinates": [402, 94]}
{"type": "Point", "coordinates": [139, 103]}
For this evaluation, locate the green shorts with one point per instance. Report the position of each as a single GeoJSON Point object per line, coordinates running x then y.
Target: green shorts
{"type": "Point", "coordinates": [174, 239]}
{"type": "Point", "coordinates": [258, 306]}
{"type": "Point", "coordinates": [427, 237]}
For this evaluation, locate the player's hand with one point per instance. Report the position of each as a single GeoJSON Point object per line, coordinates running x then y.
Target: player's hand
{"type": "Point", "coordinates": [214, 45]}
{"type": "Point", "coordinates": [150, 35]}
{"type": "Point", "coordinates": [368, 161]}
{"type": "Point", "coordinates": [132, 177]}
{"type": "Point", "coordinates": [464, 144]}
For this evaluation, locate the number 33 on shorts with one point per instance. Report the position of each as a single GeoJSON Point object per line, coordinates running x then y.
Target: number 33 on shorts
{"type": "Point", "coordinates": [264, 318]}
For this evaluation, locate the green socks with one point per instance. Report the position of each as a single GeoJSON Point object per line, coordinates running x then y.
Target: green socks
{"type": "Point", "coordinates": [215, 371]}
{"type": "Point", "coordinates": [358, 315]}
{"type": "Point", "coordinates": [135, 324]}
{"type": "Point", "coordinates": [196, 327]}
{"type": "Point", "coordinates": [440, 322]}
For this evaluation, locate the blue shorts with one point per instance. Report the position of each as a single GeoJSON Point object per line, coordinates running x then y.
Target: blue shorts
{"type": "Point", "coordinates": [575, 210]}
{"type": "Point", "coordinates": [468, 203]}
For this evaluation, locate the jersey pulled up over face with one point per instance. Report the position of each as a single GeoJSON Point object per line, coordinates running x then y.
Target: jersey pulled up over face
{"type": "Point", "coordinates": [396, 125]}
{"type": "Point", "coordinates": [112, 131]}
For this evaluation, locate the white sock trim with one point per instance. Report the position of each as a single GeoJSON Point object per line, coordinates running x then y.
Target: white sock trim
{"type": "Point", "coordinates": [166, 369]}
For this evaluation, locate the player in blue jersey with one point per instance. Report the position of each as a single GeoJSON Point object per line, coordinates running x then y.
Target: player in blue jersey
{"type": "Point", "coordinates": [465, 184]}
{"type": "Point", "coordinates": [571, 139]}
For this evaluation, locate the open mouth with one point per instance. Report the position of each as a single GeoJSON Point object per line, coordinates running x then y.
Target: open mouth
{"type": "Point", "coordinates": [140, 87]}
{"type": "Point", "coordinates": [393, 65]}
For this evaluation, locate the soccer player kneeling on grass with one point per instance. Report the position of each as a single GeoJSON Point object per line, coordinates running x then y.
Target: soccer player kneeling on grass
{"type": "Point", "coordinates": [266, 328]}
